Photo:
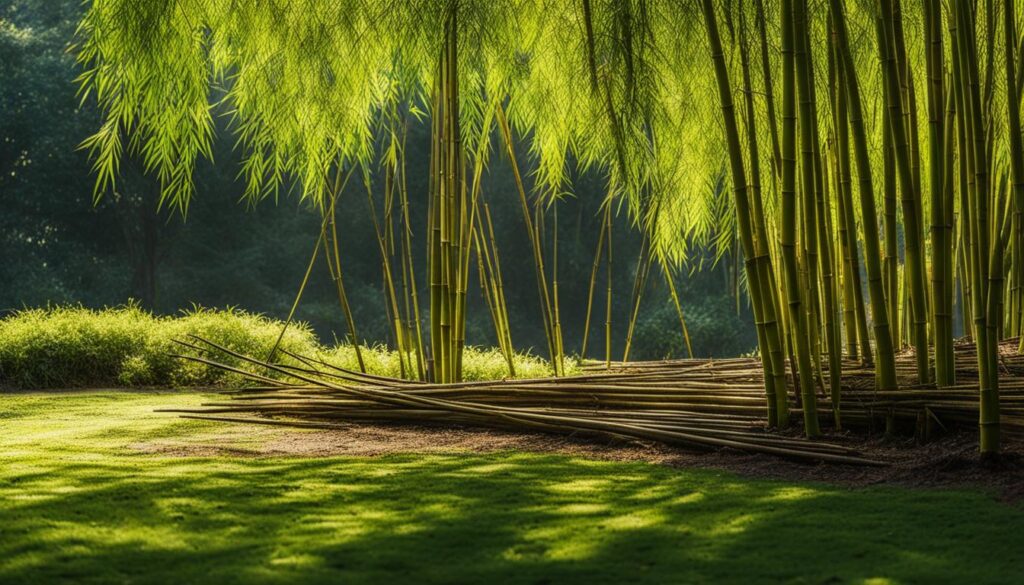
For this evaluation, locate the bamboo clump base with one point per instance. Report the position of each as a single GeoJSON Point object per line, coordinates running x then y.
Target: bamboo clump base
{"type": "Point", "coordinates": [694, 403]}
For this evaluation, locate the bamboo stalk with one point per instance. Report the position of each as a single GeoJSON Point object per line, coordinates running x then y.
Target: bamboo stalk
{"type": "Point", "coordinates": [298, 296]}
{"type": "Point", "coordinates": [408, 266]}
{"type": "Point", "coordinates": [593, 278]}
{"type": "Point", "coordinates": [941, 250]}
{"type": "Point", "coordinates": [391, 294]}
{"type": "Point", "coordinates": [547, 311]}
{"type": "Point", "coordinates": [766, 312]}
{"type": "Point", "coordinates": [490, 273]}
{"type": "Point", "coordinates": [557, 332]}
{"type": "Point", "coordinates": [608, 293]}
{"type": "Point", "coordinates": [740, 185]}
{"type": "Point", "coordinates": [909, 187]}
{"type": "Point", "coordinates": [985, 258]}
{"type": "Point", "coordinates": [822, 211]}
{"type": "Point", "coordinates": [1010, 37]}
{"type": "Point", "coordinates": [643, 267]}
{"type": "Point", "coordinates": [682, 319]}
{"type": "Point", "coordinates": [885, 354]}
{"type": "Point", "coordinates": [796, 79]}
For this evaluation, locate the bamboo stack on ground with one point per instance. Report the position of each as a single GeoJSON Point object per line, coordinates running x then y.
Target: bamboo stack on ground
{"type": "Point", "coordinates": [697, 403]}
{"type": "Point", "coordinates": [706, 405]}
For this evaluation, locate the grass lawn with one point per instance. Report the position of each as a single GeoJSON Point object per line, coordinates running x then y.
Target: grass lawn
{"type": "Point", "coordinates": [79, 504]}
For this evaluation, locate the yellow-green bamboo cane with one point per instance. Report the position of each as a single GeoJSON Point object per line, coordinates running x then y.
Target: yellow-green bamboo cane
{"type": "Point", "coordinates": [984, 297]}
{"type": "Point", "coordinates": [797, 77]}
{"type": "Point", "coordinates": [593, 281]}
{"type": "Point", "coordinates": [737, 169]}
{"type": "Point", "coordinates": [547, 310]}
{"type": "Point", "coordinates": [770, 337]}
{"type": "Point", "coordinates": [679, 313]}
{"type": "Point", "coordinates": [910, 194]}
{"type": "Point", "coordinates": [885, 359]}
{"type": "Point", "coordinates": [941, 250]}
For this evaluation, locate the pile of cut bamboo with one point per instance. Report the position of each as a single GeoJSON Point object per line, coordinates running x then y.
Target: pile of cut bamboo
{"type": "Point", "coordinates": [926, 406]}
{"type": "Point", "coordinates": [692, 402]}
{"type": "Point", "coordinates": [709, 404]}
{"type": "Point", "coordinates": [863, 405]}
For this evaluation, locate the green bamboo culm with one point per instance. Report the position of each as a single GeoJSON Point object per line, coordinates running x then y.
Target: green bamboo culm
{"type": "Point", "coordinates": [468, 207]}
{"type": "Point", "coordinates": [821, 211]}
{"type": "Point", "coordinates": [643, 269]}
{"type": "Point", "coordinates": [328, 241]}
{"type": "Point", "coordinates": [593, 278]}
{"type": "Point", "coordinates": [1014, 79]}
{"type": "Point", "coordinates": [552, 333]}
{"type": "Point", "coordinates": [333, 253]}
{"type": "Point", "coordinates": [767, 326]}
{"type": "Point", "coordinates": [556, 312]}
{"type": "Point", "coordinates": [941, 248]}
{"type": "Point", "coordinates": [984, 254]}
{"type": "Point", "coordinates": [502, 304]}
{"type": "Point", "coordinates": [298, 297]}
{"type": "Point", "coordinates": [909, 187]}
{"type": "Point", "coordinates": [409, 282]}
{"type": "Point", "coordinates": [492, 286]}
{"type": "Point", "coordinates": [796, 77]}
{"type": "Point", "coordinates": [740, 197]}
{"type": "Point", "coordinates": [852, 286]}
{"type": "Point", "coordinates": [381, 231]}
{"type": "Point", "coordinates": [608, 293]}
{"type": "Point", "coordinates": [670, 281]}
{"type": "Point", "coordinates": [807, 186]}
{"type": "Point", "coordinates": [885, 355]}
{"type": "Point", "coordinates": [447, 213]}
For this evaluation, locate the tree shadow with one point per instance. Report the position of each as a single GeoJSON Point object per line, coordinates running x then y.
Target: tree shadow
{"type": "Point", "coordinates": [502, 518]}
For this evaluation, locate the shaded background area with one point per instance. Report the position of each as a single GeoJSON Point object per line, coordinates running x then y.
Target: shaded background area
{"type": "Point", "coordinates": [57, 246]}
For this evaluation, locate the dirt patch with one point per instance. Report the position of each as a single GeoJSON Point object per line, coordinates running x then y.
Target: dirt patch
{"type": "Point", "coordinates": [948, 462]}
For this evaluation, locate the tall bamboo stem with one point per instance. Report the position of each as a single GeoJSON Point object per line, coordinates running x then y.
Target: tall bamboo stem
{"type": "Point", "coordinates": [985, 293]}
{"type": "Point", "coordinates": [796, 80]}
{"type": "Point", "coordinates": [333, 254]}
{"type": "Point", "coordinates": [739, 180]}
{"type": "Point", "coordinates": [941, 250]}
{"type": "Point", "coordinates": [1016, 165]}
{"type": "Point", "coordinates": [885, 363]}
{"type": "Point", "coordinates": [608, 294]}
{"type": "Point", "coordinates": [547, 311]}
{"type": "Point", "coordinates": [593, 280]}
{"type": "Point", "coordinates": [909, 190]}
{"type": "Point", "coordinates": [643, 268]}
{"type": "Point", "coordinates": [770, 338]}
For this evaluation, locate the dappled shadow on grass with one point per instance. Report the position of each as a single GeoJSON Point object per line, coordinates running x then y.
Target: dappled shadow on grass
{"type": "Point", "coordinates": [505, 517]}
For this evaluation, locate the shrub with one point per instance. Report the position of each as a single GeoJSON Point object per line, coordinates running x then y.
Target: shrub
{"type": "Point", "coordinates": [73, 346]}
{"type": "Point", "coordinates": [67, 347]}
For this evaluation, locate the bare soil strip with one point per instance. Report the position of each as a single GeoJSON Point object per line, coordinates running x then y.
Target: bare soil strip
{"type": "Point", "coordinates": [947, 462]}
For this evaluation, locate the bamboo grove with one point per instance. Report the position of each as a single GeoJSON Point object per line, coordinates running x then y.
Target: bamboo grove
{"type": "Point", "coordinates": [870, 152]}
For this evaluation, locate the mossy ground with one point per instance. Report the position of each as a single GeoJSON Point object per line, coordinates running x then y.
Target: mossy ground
{"type": "Point", "coordinates": [79, 505]}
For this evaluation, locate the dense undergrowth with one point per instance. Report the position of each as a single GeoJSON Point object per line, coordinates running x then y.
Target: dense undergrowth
{"type": "Point", "coordinates": [68, 347]}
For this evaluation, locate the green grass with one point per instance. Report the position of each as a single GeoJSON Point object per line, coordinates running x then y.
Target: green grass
{"type": "Point", "coordinates": [79, 505]}
{"type": "Point", "coordinates": [68, 347]}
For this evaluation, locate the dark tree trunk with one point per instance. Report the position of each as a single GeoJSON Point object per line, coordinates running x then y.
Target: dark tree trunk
{"type": "Point", "coordinates": [142, 226]}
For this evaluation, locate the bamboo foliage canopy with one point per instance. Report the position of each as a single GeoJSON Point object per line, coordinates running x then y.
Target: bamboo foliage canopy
{"type": "Point", "coordinates": [303, 83]}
